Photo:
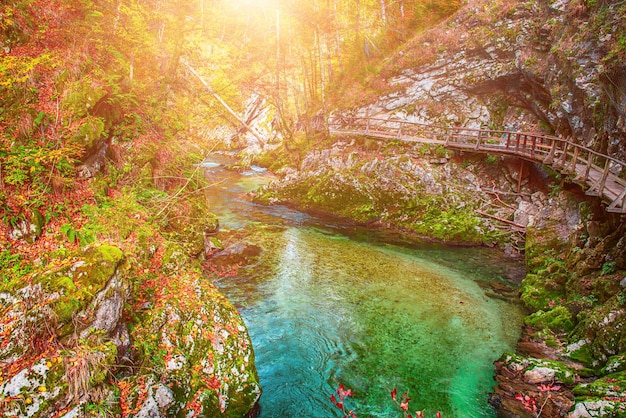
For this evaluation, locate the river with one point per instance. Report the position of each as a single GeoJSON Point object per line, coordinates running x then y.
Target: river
{"type": "Point", "coordinates": [329, 303]}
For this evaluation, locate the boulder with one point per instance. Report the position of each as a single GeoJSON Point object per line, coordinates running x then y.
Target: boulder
{"type": "Point", "coordinates": [237, 253]}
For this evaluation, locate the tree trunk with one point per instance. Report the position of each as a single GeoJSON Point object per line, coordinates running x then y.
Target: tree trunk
{"type": "Point", "coordinates": [383, 12]}
{"type": "Point", "coordinates": [222, 102]}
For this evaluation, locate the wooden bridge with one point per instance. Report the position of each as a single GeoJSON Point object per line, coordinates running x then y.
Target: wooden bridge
{"type": "Point", "coordinates": [594, 171]}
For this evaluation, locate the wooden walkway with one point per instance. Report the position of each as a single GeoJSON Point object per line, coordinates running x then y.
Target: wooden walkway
{"type": "Point", "coordinates": [591, 169]}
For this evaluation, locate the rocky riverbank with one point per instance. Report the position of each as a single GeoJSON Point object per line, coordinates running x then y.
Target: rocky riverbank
{"type": "Point", "coordinates": [126, 329]}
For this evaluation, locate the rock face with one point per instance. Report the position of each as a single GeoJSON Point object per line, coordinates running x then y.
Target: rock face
{"type": "Point", "coordinates": [80, 320]}
{"type": "Point", "coordinates": [575, 260]}
{"type": "Point", "coordinates": [369, 181]}
{"type": "Point", "coordinates": [514, 66]}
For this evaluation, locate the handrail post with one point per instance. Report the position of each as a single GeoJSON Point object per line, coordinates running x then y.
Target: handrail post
{"type": "Point", "coordinates": [508, 140]}
{"type": "Point", "coordinates": [478, 139]}
{"type": "Point", "coordinates": [605, 174]}
{"type": "Point", "coordinates": [561, 162]}
{"type": "Point", "coordinates": [575, 160]}
{"type": "Point", "coordinates": [517, 136]}
{"type": "Point", "coordinates": [550, 158]}
{"type": "Point", "coordinates": [399, 131]}
{"type": "Point", "coordinates": [589, 163]}
{"type": "Point", "coordinates": [598, 187]}
{"type": "Point", "coordinates": [534, 145]}
{"type": "Point", "coordinates": [367, 125]}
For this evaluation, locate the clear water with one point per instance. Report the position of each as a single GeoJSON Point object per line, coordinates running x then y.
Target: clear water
{"type": "Point", "coordinates": [329, 304]}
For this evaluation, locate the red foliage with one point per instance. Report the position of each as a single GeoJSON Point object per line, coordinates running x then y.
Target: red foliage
{"type": "Point", "coordinates": [530, 404]}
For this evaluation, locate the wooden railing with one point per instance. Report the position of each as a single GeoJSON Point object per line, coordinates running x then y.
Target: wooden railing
{"type": "Point", "coordinates": [598, 172]}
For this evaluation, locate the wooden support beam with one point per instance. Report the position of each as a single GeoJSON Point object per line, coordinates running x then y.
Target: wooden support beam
{"type": "Point", "coordinates": [619, 204]}
{"type": "Point", "coordinates": [550, 158]}
{"type": "Point", "coordinates": [598, 187]}
{"type": "Point", "coordinates": [589, 164]}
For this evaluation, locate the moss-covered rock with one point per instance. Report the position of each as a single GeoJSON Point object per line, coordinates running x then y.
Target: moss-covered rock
{"type": "Point", "coordinates": [401, 189]}
{"type": "Point", "coordinates": [614, 364]}
{"type": "Point", "coordinates": [605, 327]}
{"type": "Point", "coordinates": [605, 397]}
{"type": "Point", "coordinates": [524, 382]}
{"type": "Point", "coordinates": [536, 371]}
{"type": "Point", "coordinates": [609, 386]}
{"type": "Point", "coordinates": [558, 319]}
{"type": "Point", "coordinates": [540, 292]}
{"type": "Point", "coordinates": [75, 284]}
{"type": "Point", "coordinates": [195, 343]}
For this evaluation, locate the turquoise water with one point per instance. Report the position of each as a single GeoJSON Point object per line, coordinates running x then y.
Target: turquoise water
{"type": "Point", "coordinates": [329, 304]}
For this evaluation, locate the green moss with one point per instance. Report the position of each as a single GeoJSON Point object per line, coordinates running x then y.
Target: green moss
{"type": "Point", "coordinates": [175, 258]}
{"type": "Point", "coordinates": [108, 253]}
{"type": "Point", "coordinates": [83, 96]}
{"type": "Point", "coordinates": [78, 282]}
{"type": "Point", "coordinates": [610, 386]}
{"type": "Point", "coordinates": [605, 327]}
{"type": "Point", "coordinates": [562, 372]}
{"type": "Point", "coordinates": [540, 292]}
{"type": "Point", "coordinates": [582, 354]}
{"type": "Point", "coordinates": [89, 132]}
{"type": "Point", "coordinates": [614, 364]}
{"type": "Point", "coordinates": [558, 319]}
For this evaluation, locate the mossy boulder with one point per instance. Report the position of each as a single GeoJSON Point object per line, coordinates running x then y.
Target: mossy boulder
{"type": "Point", "coordinates": [539, 291]}
{"type": "Point", "coordinates": [538, 382]}
{"type": "Point", "coordinates": [399, 190]}
{"type": "Point", "coordinates": [604, 397]}
{"type": "Point", "coordinates": [74, 285]}
{"type": "Point", "coordinates": [78, 301]}
{"type": "Point", "coordinates": [609, 386]}
{"type": "Point", "coordinates": [537, 371]}
{"type": "Point", "coordinates": [196, 345]}
{"type": "Point", "coordinates": [605, 328]}
{"type": "Point", "coordinates": [558, 319]}
{"type": "Point", "coordinates": [82, 96]}
{"type": "Point", "coordinates": [90, 131]}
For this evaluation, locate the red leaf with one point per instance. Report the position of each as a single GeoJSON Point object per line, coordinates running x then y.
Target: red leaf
{"type": "Point", "coordinates": [394, 392]}
{"type": "Point", "coordinates": [343, 392]}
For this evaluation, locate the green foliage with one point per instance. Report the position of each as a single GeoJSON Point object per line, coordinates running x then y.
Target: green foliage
{"type": "Point", "coordinates": [608, 267]}
{"type": "Point", "coordinates": [16, 70]}
{"type": "Point", "coordinates": [83, 236]}
{"type": "Point", "coordinates": [90, 130]}
{"type": "Point", "coordinates": [491, 159]}
{"type": "Point", "coordinates": [12, 267]}
{"type": "Point", "coordinates": [35, 165]}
